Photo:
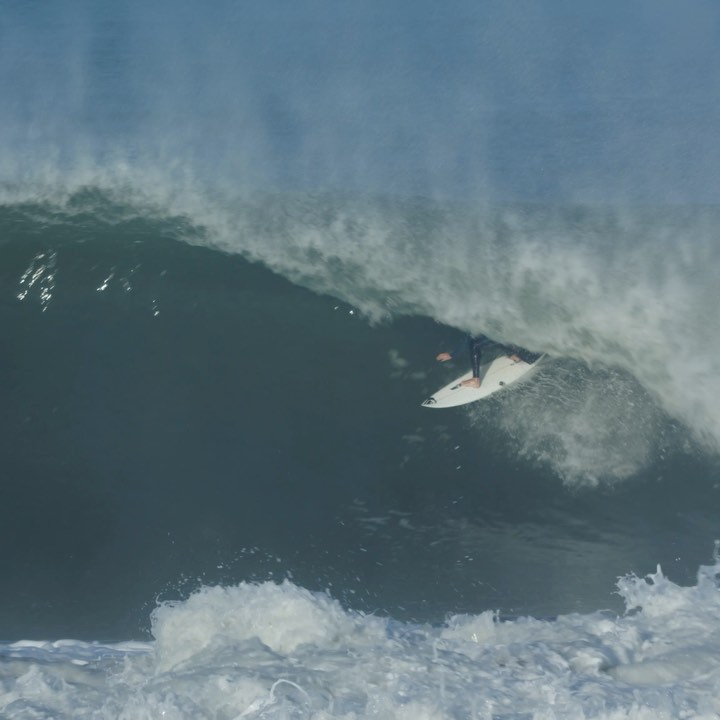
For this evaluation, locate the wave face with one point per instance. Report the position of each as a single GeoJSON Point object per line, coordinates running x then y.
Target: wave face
{"type": "Point", "coordinates": [232, 241]}
{"type": "Point", "coordinates": [177, 416]}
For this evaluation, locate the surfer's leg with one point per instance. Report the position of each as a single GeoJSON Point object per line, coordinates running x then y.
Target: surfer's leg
{"type": "Point", "coordinates": [475, 354]}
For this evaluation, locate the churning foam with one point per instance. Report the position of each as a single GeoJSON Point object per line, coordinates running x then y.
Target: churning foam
{"type": "Point", "coordinates": [279, 651]}
{"type": "Point", "coordinates": [587, 426]}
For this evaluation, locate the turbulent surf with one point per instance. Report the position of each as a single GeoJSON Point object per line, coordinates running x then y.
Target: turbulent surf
{"type": "Point", "coordinates": [232, 243]}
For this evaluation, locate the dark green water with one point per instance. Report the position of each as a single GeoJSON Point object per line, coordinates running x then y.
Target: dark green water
{"type": "Point", "coordinates": [176, 416]}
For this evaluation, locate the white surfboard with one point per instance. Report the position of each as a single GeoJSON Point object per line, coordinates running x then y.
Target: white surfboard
{"type": "Point", "coordinates": [494, 376]}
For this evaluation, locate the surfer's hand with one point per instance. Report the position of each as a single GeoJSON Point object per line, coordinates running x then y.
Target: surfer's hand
{"type": "Point", "coordinates": [444, 357]}
{"type": "Point", "coordinates": [515, 358]}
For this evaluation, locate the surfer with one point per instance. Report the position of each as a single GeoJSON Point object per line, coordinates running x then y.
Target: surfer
{"type": "Point", "coordinates": [476, 346]}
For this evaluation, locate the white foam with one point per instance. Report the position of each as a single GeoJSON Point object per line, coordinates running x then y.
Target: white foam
{"type": "Point", "coordinates": [281, 617]}
{"type": "Point", "coordinates": [279, 651]}
{"type": "Point", "coordinates": [587, 426]}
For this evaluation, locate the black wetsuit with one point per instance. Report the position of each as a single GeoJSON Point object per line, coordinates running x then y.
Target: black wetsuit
{"type": "Point", "coordinates": [477, 344]}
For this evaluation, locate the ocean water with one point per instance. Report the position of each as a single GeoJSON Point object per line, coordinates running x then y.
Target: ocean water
{"type": "Point", "coordinates": [233, 239]}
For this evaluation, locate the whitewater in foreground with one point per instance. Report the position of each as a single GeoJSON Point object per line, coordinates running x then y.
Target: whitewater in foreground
{"type": "Point", "coordinates": [279, 651]}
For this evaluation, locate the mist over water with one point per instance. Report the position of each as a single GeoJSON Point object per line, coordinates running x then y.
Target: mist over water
{"type": "Point", "coordinates": [478, 100]}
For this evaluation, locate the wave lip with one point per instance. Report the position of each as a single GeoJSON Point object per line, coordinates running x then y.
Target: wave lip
{"type": "Point", "coordinates": [279, 651]}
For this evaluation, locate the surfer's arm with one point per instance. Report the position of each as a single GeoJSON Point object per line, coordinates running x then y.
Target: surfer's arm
{"type": "Point", "coordinates": [445, 356]}
{"type": "Point", "coordinates": [452, 354]}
